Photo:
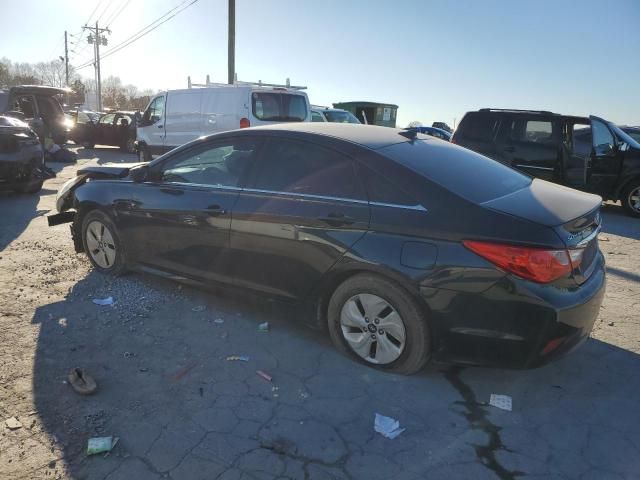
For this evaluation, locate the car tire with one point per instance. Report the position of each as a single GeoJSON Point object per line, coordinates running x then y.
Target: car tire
{"type": "Point", "coordinates": [143, 154]}
{"type": "Point", "coordinates": [102, 243]}
{"type": "Point", "coordinates": [30, 188]}
{"type": "Point", "coordinates": [404, 348]}
{"type": "Point", "coordinates": [631, 198]}
{"type": "Point", "coordinates": [130, 146]}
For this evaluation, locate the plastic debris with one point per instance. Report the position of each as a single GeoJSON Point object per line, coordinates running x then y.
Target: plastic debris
{"type": "Point", "coordinates": [264, 375]}
{"type": "Point", "coordinates": [97, 445]}
{"type": "Point", "coordinates": [199, 308]}
{"type": "Point", "coordinates": [103, 301]}
{"type": "Point", "coordinates": [219, 321]}
{"type": "Point", "coordinates": [263, 327]}
{"type": "Point", "coordinates": [13, 423]}
{"type": "Point", "coordinates": [237, 358]}
{"type": "Point", "coordinates": [503, 402]}
{"type": "Point", "coordinates": [387, 427]}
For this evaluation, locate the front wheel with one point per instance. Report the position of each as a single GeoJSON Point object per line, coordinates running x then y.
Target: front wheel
{"type": "Point", "coordinates": [378, 323]}
{"type": "Point", "coordinates": [631, 198]}
{"type": "Point", "coordinates": [143, 154]}
{"type": "Point", "coordinates": [102, 243]}
{"type": "Point", "coordinates": [130, 146]}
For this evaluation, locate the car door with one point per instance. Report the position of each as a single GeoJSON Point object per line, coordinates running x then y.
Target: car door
{"type": "Point", "coordinates": [303, 208]}
{"type": "Point", "coordinates": [606, 159]}
{"type": "Point", "coordinates": [183, 211]}
{"type": "Point", "coordinates": [534, 147]}
{"type": "Point", "coordinates": [151, 130]}
{"type": "Point", "coordinates": [103, 131]}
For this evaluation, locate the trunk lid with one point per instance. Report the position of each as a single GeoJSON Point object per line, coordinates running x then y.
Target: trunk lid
{"type": "Point", "coordinates": [573, 215]}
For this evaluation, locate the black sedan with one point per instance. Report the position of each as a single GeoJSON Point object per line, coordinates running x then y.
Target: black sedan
{"type": "Point", "coordinates": [405, 247]}
{"type": "Point", "coordinates": [117, 129]}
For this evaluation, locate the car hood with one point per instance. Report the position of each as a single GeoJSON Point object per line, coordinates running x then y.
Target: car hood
{"type": "Point", "coordinates": [109, 170]}
{"type": "Point", "coordinates": [546, 203]}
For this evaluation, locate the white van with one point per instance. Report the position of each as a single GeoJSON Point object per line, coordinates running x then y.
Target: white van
{"type": "Point", "coordinates": [175, 117]}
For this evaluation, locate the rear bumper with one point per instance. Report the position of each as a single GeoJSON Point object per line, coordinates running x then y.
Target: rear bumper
{"type": "Point", "coordinates": [514, 324]}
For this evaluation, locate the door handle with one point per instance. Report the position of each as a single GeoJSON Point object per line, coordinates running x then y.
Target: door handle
{"type": "Point", "coordinates": [337, 219]}
{"type": "Point", "coordinates": [172, 191]}
{"type": "Point", "coordinates": [215, 210]}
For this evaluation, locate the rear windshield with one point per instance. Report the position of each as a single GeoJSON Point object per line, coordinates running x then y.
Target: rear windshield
{"type": "Point", "coordinates": [461, 171]}
{"type": "Point", "coordinates": [278, 107]}
{"type": "Point", "coordinates": [340, 117]}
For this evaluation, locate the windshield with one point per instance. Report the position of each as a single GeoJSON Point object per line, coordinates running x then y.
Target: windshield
{"type": "Point", "coordinates": [278, 107]}
{"type": "Point", "coordinates": [338, 116]}
{"type": "Point", "coordinates": [624, 136]}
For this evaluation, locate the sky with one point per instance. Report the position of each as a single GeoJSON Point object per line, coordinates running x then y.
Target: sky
{"type": "Point", "coordinates": [434, 59]}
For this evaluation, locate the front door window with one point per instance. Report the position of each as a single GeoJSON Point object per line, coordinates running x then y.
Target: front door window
{"type": "Point", "coordinates": [603, 141]}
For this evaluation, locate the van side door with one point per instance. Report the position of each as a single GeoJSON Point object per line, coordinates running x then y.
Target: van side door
{"type": "Point", "coordinates": [534, 146]}
{"type": "Point", "coordinates": [183, 117]}
{"type": "Point", "coordinates": [606, 159]}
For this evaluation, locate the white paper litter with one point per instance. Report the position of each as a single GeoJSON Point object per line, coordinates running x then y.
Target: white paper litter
{"type": "Point", "coordinates": [219, 321]}
{"type": "Point", "coordinates": [502, 402]}
{"type": "Point", "coordinates": [103, 301]}
{"type": "Point", "coordinates": [387, 427]}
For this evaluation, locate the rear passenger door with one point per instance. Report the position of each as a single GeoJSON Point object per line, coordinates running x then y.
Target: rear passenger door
{"type": "Point", "coordinates": [533, 145]}
{"type": "Point", "coordinates": [303, 208]}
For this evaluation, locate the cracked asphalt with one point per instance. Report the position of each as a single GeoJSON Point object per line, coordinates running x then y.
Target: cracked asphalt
{"type": "Point", "coordinates": [183, 411]}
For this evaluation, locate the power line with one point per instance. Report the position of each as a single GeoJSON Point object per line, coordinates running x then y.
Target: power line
{"type": "Point", "coordinates": [94, 11]}
{"type": "Point", "coordinates": [113, 18]}
{"type": "Point", "coordinates": [142, 32]}
{"type": "Point", "coordinates": [103, 12]}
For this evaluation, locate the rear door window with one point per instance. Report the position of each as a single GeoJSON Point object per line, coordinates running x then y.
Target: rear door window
{"type": "Point", "coordinates": [278, 107]}
{"type": "Point", "coordinates": [289, 166]}
{"type": "Point", "coordinates": [461, 171]}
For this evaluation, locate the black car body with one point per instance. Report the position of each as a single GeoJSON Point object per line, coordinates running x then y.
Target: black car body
{"type": "Point", "coordinates": [590, 154]}
{"type": "Point", "coordinates": [21, 157]}
{"type": "Point", "coordinates": [117, 129]}
{"type": "Point", "coordinates": [37, 105]}
{"type": "Point", "coordinates": [329, 215]}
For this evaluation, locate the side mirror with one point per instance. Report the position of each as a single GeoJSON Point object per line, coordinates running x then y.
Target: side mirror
{"type": "Point", "coordinates": [139, 174]}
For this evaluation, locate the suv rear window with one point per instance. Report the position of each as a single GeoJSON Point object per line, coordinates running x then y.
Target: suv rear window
{"type": "Point", "coordinates": [463, 172]}
{"type": "Point", "coordinates": [278, 107]}
{"type": "Point", "coordinates": [478, 126]}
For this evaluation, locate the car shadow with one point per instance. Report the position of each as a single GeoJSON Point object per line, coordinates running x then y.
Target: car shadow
{"type": "Point", "coordinates": [166, 384]}
{"type": "Point", "coordinates": [18, 209]}
{"type": "Point", "coordinates": [617, 222]}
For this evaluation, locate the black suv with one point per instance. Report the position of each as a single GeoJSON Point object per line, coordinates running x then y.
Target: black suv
{"type": "Point", "coordinates": [589, 154]}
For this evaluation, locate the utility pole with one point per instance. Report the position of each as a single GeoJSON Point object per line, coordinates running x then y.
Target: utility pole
{"type": "Point", "coordinates": [97, 39]}
{"type": "Point", "coordinates": [231, 55]}
{"type": "Point", "coordinates": [66, 60]}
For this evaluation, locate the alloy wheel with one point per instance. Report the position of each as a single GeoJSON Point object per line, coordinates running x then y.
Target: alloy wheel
{"type": "Point", "coordinates": [373, 328]}
{"type": "Point", "coordinates": [131, 146]}
{"type": "Point", "coordinates": [100, 244]}
{"type": "Point", "coordinates": [634, 199]}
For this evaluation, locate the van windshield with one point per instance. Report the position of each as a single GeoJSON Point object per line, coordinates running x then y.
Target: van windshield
{"type": "Point", "coordinates": [278, 107]}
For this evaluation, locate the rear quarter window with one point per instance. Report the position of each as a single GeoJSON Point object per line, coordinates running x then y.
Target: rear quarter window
{"type": "Point", "coordinates": [478, 127]}
{"type": "Point", "coordinates": [465, 173]}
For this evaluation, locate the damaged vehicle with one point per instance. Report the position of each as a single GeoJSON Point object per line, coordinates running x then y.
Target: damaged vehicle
{"type": "Point", "coordinates": [404, 247]}
{"type": "Point", "coordinates": [21, 157]}
{"type": "Point", "coordinates": [38, 105]}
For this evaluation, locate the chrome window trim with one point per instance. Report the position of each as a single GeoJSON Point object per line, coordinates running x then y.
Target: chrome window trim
{"type": "Point", "coordinates": [536, 167]}
{"type": "Point", "coordinates": [200, 185]}
{"type": "Point", "coordinates": [339, 199]}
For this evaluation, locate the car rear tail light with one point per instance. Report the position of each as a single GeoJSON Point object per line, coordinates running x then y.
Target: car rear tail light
{"type": "Point", "coordinates": [537, 264]}
{"type": "Point", "coordinates": [244, 122]}
{"type": "Point", "coordinates": [552, 345]}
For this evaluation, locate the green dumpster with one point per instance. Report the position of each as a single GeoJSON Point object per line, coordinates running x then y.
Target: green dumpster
{"type": "Point", "coordinates": [375, 113]}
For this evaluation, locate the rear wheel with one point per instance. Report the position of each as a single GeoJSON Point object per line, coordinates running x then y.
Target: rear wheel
{"type": "Point", "coordinates": [378, 323]}
{"type": "Point", "coordinates": [102, 243]}
{"type": "Point", "coordinates": [631, 198]}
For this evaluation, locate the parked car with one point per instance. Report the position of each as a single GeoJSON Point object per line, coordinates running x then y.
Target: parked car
{"type": "Point", "coordinates": [39, 107]}
{"type": "Point", "coordinates": [434, 132]}
{"type": "Point", "coordinates": [117, 129]}
{"type": "Point", "coordinates": [406, 247]}
{"type": "Point", "coordinates": [442, 126]}
{"type": "Point", "coordinates": [176, 117]}
{"type": "Point", "coordinates": [21, 157]}
{"type": "Point", "coordinates": [589, 154]}
{"type": "Point", "coordinates": [337, 115]}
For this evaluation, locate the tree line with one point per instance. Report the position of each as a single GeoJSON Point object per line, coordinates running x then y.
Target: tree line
{"type": "Point", "coordinates": [115, 94]}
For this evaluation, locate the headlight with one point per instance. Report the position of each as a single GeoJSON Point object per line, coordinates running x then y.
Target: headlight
{"type": "Point", "coordinates": [63, 193]}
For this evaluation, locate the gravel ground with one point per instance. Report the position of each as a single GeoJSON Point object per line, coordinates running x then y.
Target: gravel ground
{"type": "Point", "coordinates": [182, 411]}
